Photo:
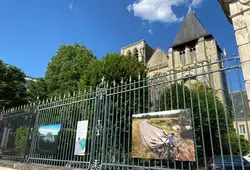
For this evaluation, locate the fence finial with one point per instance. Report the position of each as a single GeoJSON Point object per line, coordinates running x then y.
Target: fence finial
{"type": "Point", "coordinates": [130, 78]}
{"type": "Point", "coordinates": [69, 95]}
{"type": "Point", "coordinates": [114, 83]}
{"type": "Point", "coordinates": [51, 99]}
{"type": "Point", "coordinates": [64, 96]}
{"type": "Point", "coordinates": [55, 98]}
{"type": "Point", "coordinates": [139, 77]}
{"type": "Point", "coordinates": [74, 94]}
{"type": "Point", "coordinates": [103, 79]}
{"type": "Point", "coordinates": [122, 80]}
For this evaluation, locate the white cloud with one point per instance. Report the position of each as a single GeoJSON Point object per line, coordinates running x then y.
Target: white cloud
{"type": "Point", "coordinates": [150, 31]}
{"type": "Point", "coordinates": [196, 3]}
{"type": "Point", "coordinates": [71, 6]}
{"type": "Point", "coordinates": [129, 8]}
{"type": "Point", "coordinates": [160, 10]}
{"type": "Point", "coordinates": [156, 10]}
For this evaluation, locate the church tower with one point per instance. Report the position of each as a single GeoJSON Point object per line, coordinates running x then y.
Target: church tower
{"type": "Point", "coordinates": [196, 49]}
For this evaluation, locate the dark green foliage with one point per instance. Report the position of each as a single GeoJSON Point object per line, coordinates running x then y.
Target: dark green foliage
{"type": "Point", "coordinates": [21, 139]}
{"type": "Point", "coordinates": [37, 89]}
{"type": "Point", "coordinates": [65, 69]}
{"type": "Point", "coordinates": [112, 67]}
{"type": "Point", "coordinates": [12, 86]}
{"type": "Point", "coordinates": [206, 106]}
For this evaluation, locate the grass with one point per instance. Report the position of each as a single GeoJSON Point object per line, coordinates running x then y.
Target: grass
{"type": "Point", "coordinates": [139, 150]}
{"type": "Point", "coordinates": [185, 146]}
{"type": "Point", "coordinates": [164, 123]}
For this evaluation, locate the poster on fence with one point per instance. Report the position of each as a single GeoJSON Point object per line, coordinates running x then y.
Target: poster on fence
{"type": "Point", "coordinates": [48, 138]}
{"type": "Point", "coordinates": [81, 137]}
{"type": "Point", "coordinates": [163, 135]}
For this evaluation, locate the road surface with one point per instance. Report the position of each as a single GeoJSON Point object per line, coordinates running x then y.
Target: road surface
{"type": "Point", "coordinates": [153, 137]}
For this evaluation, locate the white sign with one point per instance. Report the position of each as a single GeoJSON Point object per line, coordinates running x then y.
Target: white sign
{"type": "Point", "coordinates": [81, 137]}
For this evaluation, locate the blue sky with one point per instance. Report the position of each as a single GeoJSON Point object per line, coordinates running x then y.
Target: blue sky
{"type": "Point", "coordinates": [54, 129]}
{"type": "Point", "coordinates": [31, 31]}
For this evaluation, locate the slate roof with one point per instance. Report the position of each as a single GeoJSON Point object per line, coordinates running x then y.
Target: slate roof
{"type": "Point", "coordinates": [190, 30]}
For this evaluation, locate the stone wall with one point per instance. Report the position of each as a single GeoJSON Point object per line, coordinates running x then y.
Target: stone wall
{"type": "Point", "coordinates": [138, 45]}
{"type": "Point", "coordinates": [240, 17]}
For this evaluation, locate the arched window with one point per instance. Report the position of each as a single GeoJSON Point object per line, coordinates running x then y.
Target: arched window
{"type": "Point", "coordinates": [192, 55]}
{"type": "Point", "coordinates": [129, 53]}
{"type": "Point", "coordinates": [135, 53]}
{"type": "Point", "coordinates": [182, 57]}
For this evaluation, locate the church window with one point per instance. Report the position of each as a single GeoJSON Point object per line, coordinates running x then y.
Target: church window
{"type": "Point", "coordinates": [182, 56]}
{"type": "Point", "coordinates": [135, 53]}
{"type": "Point", "coordinates": [192, 55]}
{"type": "Point", "coordinates": [129, 53]}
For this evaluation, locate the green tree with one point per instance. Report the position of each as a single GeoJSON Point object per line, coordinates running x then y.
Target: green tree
{"type": "Point", "coordinates": [113, 67]}
{"type": "Point", "coordinates": [21, 139]}
{"type": "Point", "coordinates": [208, 113]}
{"type": "Point", "coordinates": [65, 69]}
{"type": "Point", "coordinates": [37, 89]}
{"type": "Point", "coordinates": [12, 86]}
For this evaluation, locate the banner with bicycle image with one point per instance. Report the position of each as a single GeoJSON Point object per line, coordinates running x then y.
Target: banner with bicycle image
{"type": "Point", "coordinates": [163, 135]}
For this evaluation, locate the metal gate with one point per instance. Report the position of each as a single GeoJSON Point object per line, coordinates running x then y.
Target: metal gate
{"type": "Point", "coordinates": [15, 129]}
{"type": "Point", "coordinates": [66, 111]}
{"type": "Point", "coordinates": [207, 90]}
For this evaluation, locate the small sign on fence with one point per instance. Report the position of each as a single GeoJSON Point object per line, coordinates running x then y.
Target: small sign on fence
{"type": "Point", "coordinates": [81, 137]}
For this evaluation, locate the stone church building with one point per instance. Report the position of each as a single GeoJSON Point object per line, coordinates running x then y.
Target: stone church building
{"type": "Point", "coordinates": [193, 52]}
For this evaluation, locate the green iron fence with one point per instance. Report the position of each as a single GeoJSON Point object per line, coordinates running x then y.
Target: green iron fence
{"type": "Point", "coordinates": [15, 129]}
{"type": "Point", "coordinates": [116, 136]}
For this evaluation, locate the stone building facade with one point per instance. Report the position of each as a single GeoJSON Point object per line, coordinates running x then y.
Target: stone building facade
{"type": "Point", "coordinates": [193, 48]}
{"type": "Point", "coordinates": [140, 49]}
{"type": "Point", "coordinates": [238, 13]}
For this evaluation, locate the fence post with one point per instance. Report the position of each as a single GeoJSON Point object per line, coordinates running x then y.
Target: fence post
{"type": "Point", "coordinates": [92, 148]}
{"type": "Point", "coordinates": [105, 128]}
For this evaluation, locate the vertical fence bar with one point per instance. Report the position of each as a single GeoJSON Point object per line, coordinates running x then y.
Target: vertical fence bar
{"type": "Point", "coordinates": [200, 116]}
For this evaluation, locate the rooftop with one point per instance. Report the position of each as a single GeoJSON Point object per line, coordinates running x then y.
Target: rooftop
{"type": "Point", "coordinates": [191, 29]}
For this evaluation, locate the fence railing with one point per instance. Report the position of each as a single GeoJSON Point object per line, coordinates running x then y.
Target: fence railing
{"type": "Point", "coordinates": [188, 119]}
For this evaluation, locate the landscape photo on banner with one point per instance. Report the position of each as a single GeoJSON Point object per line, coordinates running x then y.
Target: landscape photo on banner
{"type": "Point", "coordinates": [163, 135]}
{"type": "Point", "coordinates": [81, 137]}
{"type": "Point", "coordinates": [48, 138]}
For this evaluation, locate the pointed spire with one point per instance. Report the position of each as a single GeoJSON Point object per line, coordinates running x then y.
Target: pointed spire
{"type": "Point", "coordinates": [191, 29]}
{"type": "Point", "coordinates": [224, 52]}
